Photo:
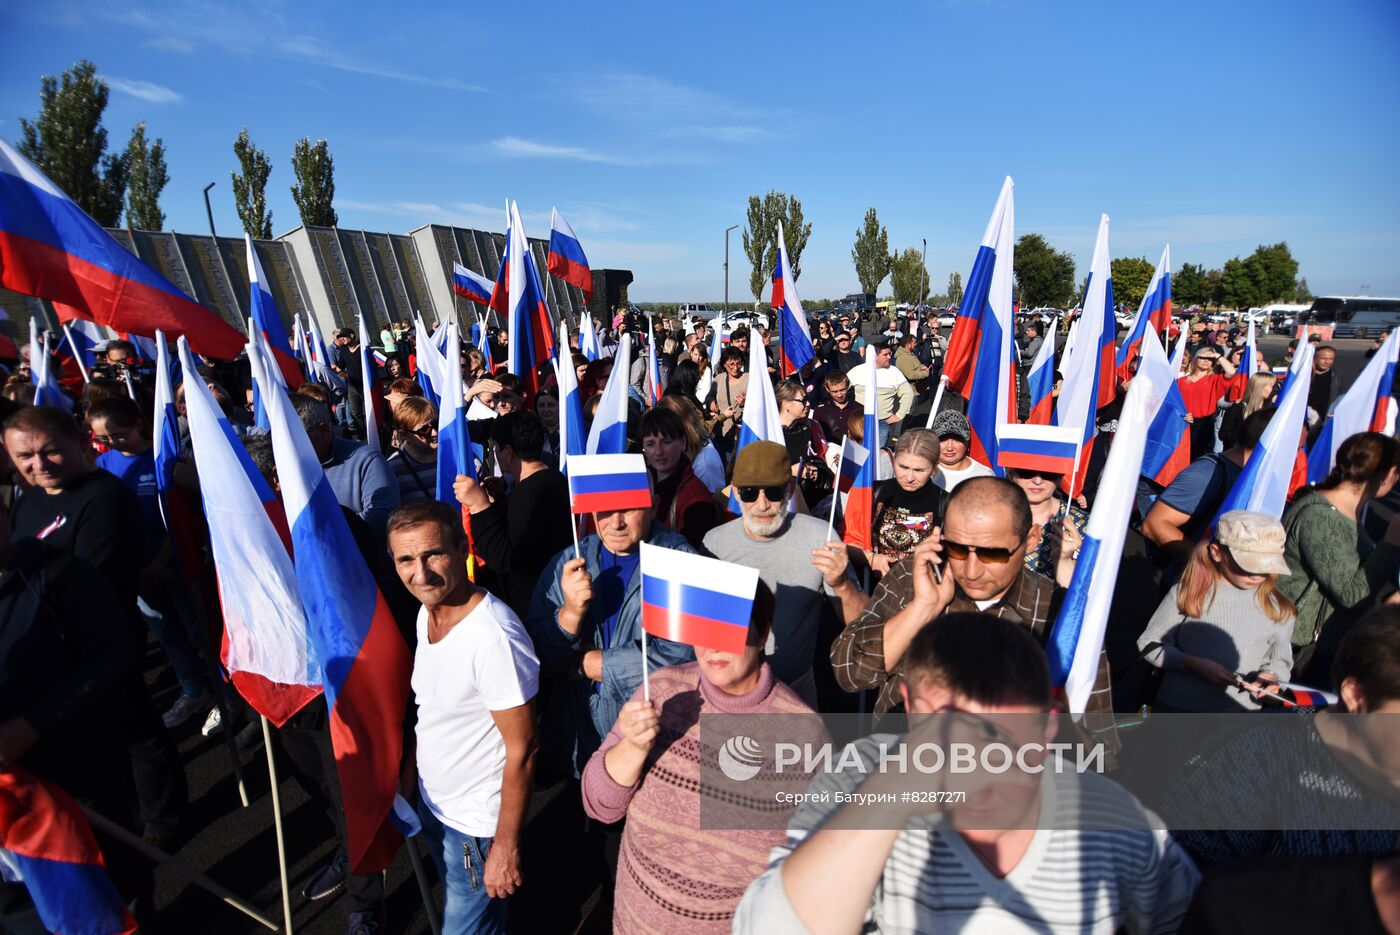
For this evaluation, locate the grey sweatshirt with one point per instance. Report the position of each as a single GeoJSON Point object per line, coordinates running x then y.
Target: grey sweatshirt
{"type": "Point", "coordinates": [1233, 631]}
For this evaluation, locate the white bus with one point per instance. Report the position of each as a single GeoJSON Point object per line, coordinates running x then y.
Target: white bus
{"type": "Point", "coordinates": [1355, 316]}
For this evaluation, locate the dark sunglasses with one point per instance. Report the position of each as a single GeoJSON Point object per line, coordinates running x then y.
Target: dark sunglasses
{"type": "Point", "coordinates": [1028, 473]}
{"type": "Point", "coordinates": [427, 432]}
{"type": "Point", "coordinates": [774, 494]}
{"type": "Point", "coordinates": [960, 552]}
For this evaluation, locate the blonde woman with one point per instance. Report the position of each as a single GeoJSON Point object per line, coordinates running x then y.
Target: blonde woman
{"type": "Point", "coordinates": [414, 463]}
{"type": "Point", "coordinates": [1224, 631]}
{"type": "Point", "coordinates": [909, 505]}
{"type": "Point", "coordinates": [1257, 392]}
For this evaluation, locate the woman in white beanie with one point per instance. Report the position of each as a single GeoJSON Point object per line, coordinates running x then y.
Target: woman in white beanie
{"type": "Point", "coordinates": [1223, 631]}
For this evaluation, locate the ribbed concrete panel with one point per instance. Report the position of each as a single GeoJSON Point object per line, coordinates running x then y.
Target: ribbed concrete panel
{"type": "Point", "coordinates": [420, 296]}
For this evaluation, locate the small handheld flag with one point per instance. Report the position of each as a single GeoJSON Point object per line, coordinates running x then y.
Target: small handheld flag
{"type": "Point", "coordinates": [608, 434]}
{"type": "Point", "coordinates": [606, 482]}
{"type": "Point", "coordinates": [1154, 313]}
{"type": "Point", "coordinates": [1049, 448]}
{"type": "Point", "coordinates": [696, 600]}
{"type": "Point", "coordinates": [1264, 483]}
{"type": "Point", "coordinates": [1040, 381]}
{"type": "Point", "coordinates": [850, 464]}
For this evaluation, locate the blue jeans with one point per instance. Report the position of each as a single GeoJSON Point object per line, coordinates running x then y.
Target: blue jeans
{"type": "Point", "coordinates": [885, 430]}
{"type": "Point", "coordinates": [460, 860]}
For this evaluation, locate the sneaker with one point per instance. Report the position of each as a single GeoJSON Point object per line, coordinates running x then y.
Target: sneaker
{"type": "Point", "coordinates": [250, 738]}
{"type": "Point", "coordinates": [214, 723]}
{"type": "Point", "coordinates": [365, 923]}
{"type": "Point", "coordinates": [330, 880]}
{"type": "Point", "coordinates": [186, 707]}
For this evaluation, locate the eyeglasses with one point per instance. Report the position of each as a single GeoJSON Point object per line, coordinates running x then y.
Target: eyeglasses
{"type": "Point", "coordinates": [987, 556]}
{"type": "Point", "coordinates": [426, 432]}
{"type": "Point", "coordinates": [112, 439]}
{"type": "Point", "coordinates": [774, 494]}
{"type": "Point", "coordinates": [1028, 473]}
{"type": "Point", "coordinates": [800, 400]}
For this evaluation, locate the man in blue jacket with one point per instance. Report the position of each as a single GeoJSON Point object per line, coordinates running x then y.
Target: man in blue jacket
{"type": "Point", "coordinates": [586, 621]}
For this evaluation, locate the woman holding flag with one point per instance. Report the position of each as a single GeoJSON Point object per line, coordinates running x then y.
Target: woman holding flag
{"type": "Point", "coordinates": [674, 874]}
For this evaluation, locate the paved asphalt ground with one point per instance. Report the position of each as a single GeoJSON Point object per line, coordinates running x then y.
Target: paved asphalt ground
{"type": "Point", "coordinates": [236, 846]}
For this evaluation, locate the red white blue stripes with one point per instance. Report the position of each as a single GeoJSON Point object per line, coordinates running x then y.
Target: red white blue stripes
{"type": "Point", "coordinates": [1041, 380]}
{"type": "Point", "coordinates": [696, 600]}
{"type": "Point", "coordinates": [608, 434]}
{"type": "Point", "coordinates": [1267, 477]}
{"type": "Point", "coordinates": [268, 320]}
{"type": "Point", "coordinates": [1088, 364]}
{"type": "Point", "coordinates": [1154, 313]}
{"type": "Point", "coordinates": [654, 387]}
{"type": "Point", "coordinates": [566, 259]}
{"type": "Point", "coordinates": [1167, 451]}
{"type": "Point", "coordinates": [1049, 448]}
{"type": "Point", "coordinates": [604, 483]}
{"type": "Point", "coordinates": [796, 349]}
{"type": "Point", "coordinates": [572, 440]}
{"type": "Point", "coordinates": [471, 286]}
{"type": "Point", "coordinates": [853, 459]}
{"type": "Point", "coordinates": [1363, 408]}
{"type": "Point", "coordinates": [518, 295]}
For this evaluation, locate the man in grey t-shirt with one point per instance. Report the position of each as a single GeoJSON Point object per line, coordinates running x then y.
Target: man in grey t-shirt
{"type": "Point", "coordinates": [792, 557]}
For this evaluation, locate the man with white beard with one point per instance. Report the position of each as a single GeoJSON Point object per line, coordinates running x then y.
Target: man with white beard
{"type": "Point", "coordinates": [794, 559]}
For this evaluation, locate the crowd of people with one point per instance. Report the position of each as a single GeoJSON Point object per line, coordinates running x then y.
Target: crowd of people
{"type": "Point", "coordinates": [529, 657]}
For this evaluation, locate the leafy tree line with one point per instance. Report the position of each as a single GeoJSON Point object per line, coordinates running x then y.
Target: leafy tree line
{"type": "Point", "coordinates": [68, 142]}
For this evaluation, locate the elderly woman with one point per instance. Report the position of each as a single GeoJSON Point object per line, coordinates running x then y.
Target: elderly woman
{"type": "Point", "coordinates": [674, 874]}
{"type": "Point", "coordinates": [908, 505]}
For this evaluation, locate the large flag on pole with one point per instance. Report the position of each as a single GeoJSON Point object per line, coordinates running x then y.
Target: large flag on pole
{"type": "Point", "coordinates": [1167, 451]}
{"type": "Point", "coordinates": [1088, 366]}
{"type": "Point", "coordinates": [471, 286]}
{"type": "Point", "coordinates": [1077, 638]}
{"type": "Point", "coordinates": [431, 364]}
{"type": "Point", "coordinates": [860, 501]}
{"type": "Point", "coordinates": [47, 844]}
{"type": "Point", "coordinates": [518, 295]}
{"type": "Point", "coordinates": [1363, 408]}
{"type": "Point", "coordinates": [265, 645]}
{"type": "Point", "coordinates": [47, 392]}
{"type": "Point", "coordinates": [796, 350]}
{"type": "Point", "coordinates": [566, 259]}
{"type": "Point", "coordinates": [1154, 313]}
{"type": "Point", "coordinates": [373, 394]}
{"type": "Point", "coordinates": [608, 434]}
{"type": "Point", "coordinates": [588, 344]}
{"type": "Point", "coordinates": [268, 320]}
{"type": "Point", "coordinates": [454, 451]}
{"type": "Point", "coordinates": [760, 422]}
{"type": "Point", "coordinates": [364, 661]}
{"type": "Point", "coordinates": [51, 249]}
{"type": "Point", "coordinates": [979, 364]}
{"type": "Point", "coordinates": [1041, 380]}
{"type": "Point", "coordinates": [1267, 477]}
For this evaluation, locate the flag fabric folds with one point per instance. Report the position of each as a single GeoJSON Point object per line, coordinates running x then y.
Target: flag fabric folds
{"type": "Point", "coordinates": [602, 483]}
{"type": "Point", "coordinates": [696, 600]}
{"type": "Point", "coordinates": [320, 367]}
{"type": "Point", "coordinates": [1088, 366]}
{"type": "Point", "coordinates": [431, 364]}
{"type": "Point", "coordinates": [518, 295]}
{"type": "Point", "coordinates": [364, 661]}
{"type": "Point", "coordinates": [654, 386]}
{"type": "Point", "coordinates": [859, 510]}
{"type": "Point", "coordinates": [1041, 380]}
{"type": "Point", "coordinates": [566, 259]}
{"type": "Point", "coordinates": [1049, 448]}
{"type": "Point", "coordinates": [853, 458]}
{"type": "Point", "coordinates": [51, 249]}
{"type": "Point", "coordinates": [1267, 477]}
{"type": "Point", "coordinates": [268, 321]}
{"type": "Point", "coordinates": [795, 351]}
{"type": "Point", "coordinates": [572, 440]}
{"type": "Point", "coordinates": [47, 844]}
{"type": "Point", "coordinates": [1167, 451]}
{"type": "Point", "coordinates": [1154, 313]}
{"type": "Point", "coordinates": [588, 344]}
{"type": "Point", "coordinates": [47, 392]}
{"type": "Point", "coordinates": [471, 286]}
{"type": "Point", "coordinates": [608, 434]}
{"type": "Point", "coordinates": [82, 338]}
{"type": "Point", "coordinates": [266, 647]}
{"type": "Point", "coordinates": [373, 394]}
{"type": "Point", "coordinates": [455, 454]}
{"type": "Point", "coordinates": [1363, 408]}
{"type": "Point", "coordinates": [1078, 634]}
{"type": "Point", "coordinates": [980, 361]}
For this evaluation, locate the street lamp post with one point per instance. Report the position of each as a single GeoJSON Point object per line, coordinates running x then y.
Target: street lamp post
{"type": "Point", "coordinates": [208, 210]}
{"type": "Point", "coordinates": [923, 271]}
{"type": "Point", "coordinates": [725, 318]}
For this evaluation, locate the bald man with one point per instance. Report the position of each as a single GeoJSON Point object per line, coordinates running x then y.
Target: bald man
{"type": "Point", "coordinates": [979, 554]}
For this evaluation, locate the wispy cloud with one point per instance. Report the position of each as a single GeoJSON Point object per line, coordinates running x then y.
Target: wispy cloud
{"type": "Point", "coordinates": [170, 44]}
{"type": "Point", "coordinates": [676, 111]}
{"type": "Point", "coordinates": [584, 217]}
{"type": "Point", "coordinates": [145, 90]}
{"type": "Point", "coordinates": [740, 134]}
{"type": "Point", "coordinates": [531, 149]}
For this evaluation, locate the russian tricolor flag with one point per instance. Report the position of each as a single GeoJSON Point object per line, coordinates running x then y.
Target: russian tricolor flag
{"type": "Point", "coordinates": [572, 440]}
{"type": "Point", "coordinates": [608, 434]}
{"type": "Point", "coordinates": [364, 661]}
{"type": "Point", "coordinates": [1267, 478]}
{"type": "Point", "coordinates": [1088, 365]}
{"type": "Point", "coordinates": [1168, 448]}
{"type": "Point", "coordinates": [1041, 380]}
{"type": "Point", "coordinates": [47, 392]}
{"type": "Point", "coordinates": [980, 362]}
{"type": "Point", "coordinates": [1363, 408]}
{"type": "Point", "coordinates": [266, 647]}
{"type": "Point", "coordinates": [518, 295]}
{"type": "Point", "coordinates": [853, 459]}
{"type": "Point", "coordinates": [796, 349]}
{"type": "Point", "coordinates": [268, 320]}
{"type": "Point", "coordinates": [51, 249]}
{"type": "Point", "coordinates": [1049, 448]}
{"type": "Point", "coordinates": [454, 453]}
{"type": "Point", "coordinates": [81, 337]}
{"type": "Point", "coordinates": [696, 600]}
{"type": "Point", "coordinates": [654, 387]}
{"type": "Point", "coordinates": [588, 344]}
{"type": "Point", "coordinates": [760, 422]}
{"type": "Point", "coordinates": [1154, 313]}
{"type": "Point", "coordinates": [373, 393]}
{"type": "Point", "coordinates": [431, 364]}
{"type": "Point", "coordinates": [1078, 635]}
{"type": "Point", "coordinates": [566, 259]}
{"type": "Point", "coordinates": [859, 513]}
{"type": "Point", "coordinates": [604, 483]}
{"type": "Point", "coordinates": [47, 844]}
{"type": "Point", "coordinates": [472, 286]}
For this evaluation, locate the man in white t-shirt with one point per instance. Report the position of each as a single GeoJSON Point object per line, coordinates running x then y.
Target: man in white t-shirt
{"type": "Point", "coordinates": [474, 676]}
{"type": "Point", "coordinates": [894, 394]}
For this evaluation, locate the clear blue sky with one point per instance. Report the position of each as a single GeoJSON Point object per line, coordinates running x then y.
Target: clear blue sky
{"type": "Point", "coordinates": [1215, 126]}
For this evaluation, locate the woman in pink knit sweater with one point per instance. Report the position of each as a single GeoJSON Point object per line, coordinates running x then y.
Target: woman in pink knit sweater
{"type": "Point", "coordinates": [672, 875]}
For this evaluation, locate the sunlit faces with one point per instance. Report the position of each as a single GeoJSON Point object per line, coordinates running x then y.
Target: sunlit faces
{"type": "Point", "coordinates": [623, 531]}
{"type": "Point", "coordinates": [912, 471]}
{"type": "Point", "coordinates": [663, 455]}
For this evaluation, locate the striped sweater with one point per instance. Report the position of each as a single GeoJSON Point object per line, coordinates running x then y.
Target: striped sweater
{"type": "Point", "coordinates": [1097, 882]}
